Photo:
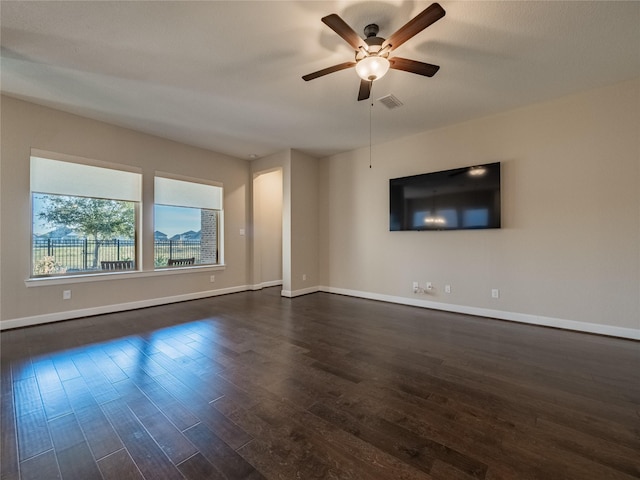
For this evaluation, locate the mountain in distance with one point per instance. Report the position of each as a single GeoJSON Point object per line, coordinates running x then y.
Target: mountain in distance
{"type": "Point", "coordinates": [60, 232]}
{"type": "Point", "coordinates": [190, 235]}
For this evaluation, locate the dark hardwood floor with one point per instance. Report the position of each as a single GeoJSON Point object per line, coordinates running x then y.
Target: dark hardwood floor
{"type": "Point", "coordinates": [252, 386]}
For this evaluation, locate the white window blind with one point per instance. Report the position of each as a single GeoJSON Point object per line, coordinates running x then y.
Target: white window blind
{"type": "Point", "coordinates": [74, 179]}
{"type": "Point", "coordinates": [179, 193]}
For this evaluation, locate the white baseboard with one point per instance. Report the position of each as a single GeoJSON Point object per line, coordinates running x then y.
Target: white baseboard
{"type": "Point", "coordinates": [297, 293]}
{"type": "Point", "coordinates": [600, 329]}
{"type": "Point", "coordinates": [120, 307]}
{"type": "Point", "coordinates": [260, 286]}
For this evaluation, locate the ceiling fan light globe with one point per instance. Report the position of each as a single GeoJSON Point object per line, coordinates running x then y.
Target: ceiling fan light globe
{"type": "Point", "coordinates": [372, 67]}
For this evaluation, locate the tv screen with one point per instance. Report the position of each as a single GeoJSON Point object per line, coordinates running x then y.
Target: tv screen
{"type": "Point", "coordinates": [458, 199]}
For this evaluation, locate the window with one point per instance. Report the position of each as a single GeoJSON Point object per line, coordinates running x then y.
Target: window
{"type": "Point", "coordinates": [84, 218]}
{"type": "Point", "coordinates": [187, 223]}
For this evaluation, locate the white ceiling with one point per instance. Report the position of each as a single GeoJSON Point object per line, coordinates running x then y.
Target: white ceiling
{"type": "Point", "coordinates": [226, 75]}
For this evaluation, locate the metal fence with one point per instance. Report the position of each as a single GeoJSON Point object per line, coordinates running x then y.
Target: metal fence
{"type": "Point", "coordinates": [166, 249]}
{"type": "Point", "coordinates": [79, 254]}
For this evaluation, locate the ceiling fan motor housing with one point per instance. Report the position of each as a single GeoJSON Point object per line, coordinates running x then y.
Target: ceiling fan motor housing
{"type": "Point", "coordinates": [371, 30]}
{"type": "Point", "coordinates": [372, 40]}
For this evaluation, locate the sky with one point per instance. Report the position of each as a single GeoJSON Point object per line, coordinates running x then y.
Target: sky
{"type": "Point", "coordinates": [174, 220]}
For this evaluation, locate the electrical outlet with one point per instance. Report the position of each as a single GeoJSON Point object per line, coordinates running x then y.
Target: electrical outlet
{"type": "Point", "coordinates": [304, 277]}
{"type": "Point", "coordinates": [212, 278]}
{"type": "Point", "coordinates": [66, 294]}
{"type": "Point", "coordinates": [447, 289]}
{"type": "Point", "coordinates": [429, 286]}
{"type": "Point", "coordinates": [495, 293]}
{"type": "Point", "coordinates": [416, 287]}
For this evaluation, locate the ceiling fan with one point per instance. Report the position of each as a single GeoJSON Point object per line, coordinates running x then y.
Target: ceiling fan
{"type": "Point", "coordinates": [372, 59]}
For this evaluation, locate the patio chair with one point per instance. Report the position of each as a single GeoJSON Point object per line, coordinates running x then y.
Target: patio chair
{"type": "Point", "coordinates": [181, 262]}
{"type": "Point", "coordinates": [117, 265]}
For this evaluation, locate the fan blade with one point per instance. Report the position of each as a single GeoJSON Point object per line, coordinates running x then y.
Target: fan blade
{"type": "Point", "coordinates": [365, 89]}
{"type": "Point", "coordinates": [335, 23]}
{"type": "Point", "coordinates": [429, 15]}
{"type": "Point", "coordinates": [328, 70]}
{"type": "Point", "coordinates": [426, 69]}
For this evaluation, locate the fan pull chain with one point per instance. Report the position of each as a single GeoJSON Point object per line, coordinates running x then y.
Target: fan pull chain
{"type": "Point", "coordinates": [370, 110]}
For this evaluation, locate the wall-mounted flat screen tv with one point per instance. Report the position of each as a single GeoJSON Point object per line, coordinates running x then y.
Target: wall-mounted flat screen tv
{"type": "Point", "coordinates": [458, 199]}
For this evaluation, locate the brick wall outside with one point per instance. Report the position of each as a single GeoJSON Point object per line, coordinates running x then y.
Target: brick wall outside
{"type": "Point", "coordinates": [209, 233]}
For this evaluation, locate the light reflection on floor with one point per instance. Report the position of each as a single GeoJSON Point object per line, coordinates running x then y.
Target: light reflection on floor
{"type": "Point", "coordinates": [48, 382]}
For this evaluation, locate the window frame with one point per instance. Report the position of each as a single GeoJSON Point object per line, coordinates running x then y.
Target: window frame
{"type": "Point", "coordinates": [84, 162]}
{"type": "Point", "coordinates": [219, 222]}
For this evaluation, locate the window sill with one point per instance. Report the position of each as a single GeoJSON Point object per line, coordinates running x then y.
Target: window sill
{"type": "Point", "coordinates": [101, 277]}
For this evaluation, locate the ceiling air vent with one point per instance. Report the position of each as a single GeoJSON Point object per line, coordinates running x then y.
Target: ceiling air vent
{"type": "Point", "coordinates": [390, 101]}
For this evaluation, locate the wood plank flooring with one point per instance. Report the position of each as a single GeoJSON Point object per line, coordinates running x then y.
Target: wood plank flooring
{"type": "Point", "coordinates": [255, 386]}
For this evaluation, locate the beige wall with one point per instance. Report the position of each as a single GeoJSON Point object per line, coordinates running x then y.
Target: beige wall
{"type": "Point", "coordinates": [300, 227]}
{"type": "Point", "coordinates": [278, 161]}
{"type": "Point", "coordinates": [26, 126]}
{"type": "Point", "coordinates": [267, 227]}
{"type": "Point", "coordinates": [569, 249]}
{"type": "Point", "coordinates": [304, 223]}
